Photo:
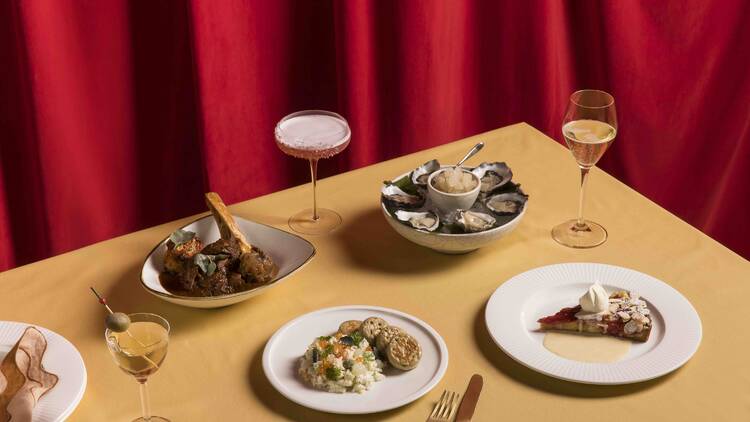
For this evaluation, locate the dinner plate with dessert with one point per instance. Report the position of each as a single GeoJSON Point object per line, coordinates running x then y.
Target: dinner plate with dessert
{"type": "Point", "coordinates": [593, 323]}
{"type": "Point", "coordinates": [355, 359]}
{"type": "Point", "coordinates": [220, 260]}
{"type": "Point", "coordinates": [454, 209]}
{"type": "Point", "coordinates": [42, 375]}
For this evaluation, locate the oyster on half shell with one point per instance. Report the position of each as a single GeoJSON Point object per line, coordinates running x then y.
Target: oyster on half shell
{"type": "Point", "coordinates": [400, 199]}
{"type": "Point", "coordinates": [474, 221]}
{"type": "Point", "coordinates": [424, 220]}
{"type": "Point", "coordinates": [506, 203]}
{"type": "Point", "coordinates": [493, 175]}
{"type": "Point", "coordinates": [420, 174]}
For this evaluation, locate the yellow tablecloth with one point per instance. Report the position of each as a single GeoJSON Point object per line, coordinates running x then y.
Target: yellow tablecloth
{"type": "Point", "coordinates": [213, 371]}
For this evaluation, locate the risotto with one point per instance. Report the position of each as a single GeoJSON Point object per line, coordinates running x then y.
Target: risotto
{"type": "Point", "coordinates": [341, 363]}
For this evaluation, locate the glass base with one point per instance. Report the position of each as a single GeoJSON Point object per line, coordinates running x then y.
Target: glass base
{"type": "Point", "coordinates": [303, 222]}
{"type": "Point", "coordinates": [152, 419]}
{"type": "Point", "coordinates": [571, 235]}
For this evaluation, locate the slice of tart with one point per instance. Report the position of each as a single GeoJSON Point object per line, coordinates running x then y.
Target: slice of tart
{"type": "Point", "coordinates": [626, 316]}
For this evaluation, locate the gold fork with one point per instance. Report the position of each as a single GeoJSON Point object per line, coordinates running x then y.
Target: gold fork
{"type": "Point", "coordinates": [445, 408]}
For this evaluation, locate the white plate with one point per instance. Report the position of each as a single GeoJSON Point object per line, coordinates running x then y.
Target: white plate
{"type": "Point", "coordinates": [514, 308]}
{"type": "Point", "coordinates": [289, 251]}
{"type": "Point", "coordinates": [284, 349]}
{"type": "Point", "coordinates": [61, 359]}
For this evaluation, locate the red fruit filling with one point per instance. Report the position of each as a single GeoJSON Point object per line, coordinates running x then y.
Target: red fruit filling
{"type": "Point", "coordinates": [565, 315]}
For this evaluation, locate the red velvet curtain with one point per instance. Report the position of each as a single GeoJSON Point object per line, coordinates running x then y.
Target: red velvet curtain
{"type": "Point", "coordinates": [117, 115]}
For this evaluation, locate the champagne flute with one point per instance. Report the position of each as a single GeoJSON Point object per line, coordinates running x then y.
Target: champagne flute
{"type": "Point", "coordinates": [139, 351]}
{"type": "Point", "coordinates": [589, 127]}
{"type": "Point", "coordinates": [312, 135]}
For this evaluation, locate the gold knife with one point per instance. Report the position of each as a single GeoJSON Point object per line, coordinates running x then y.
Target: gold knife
{"type": "Point", "coordinates": [469, 402]}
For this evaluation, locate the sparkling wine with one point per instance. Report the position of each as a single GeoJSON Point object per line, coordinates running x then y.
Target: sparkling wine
{"type": "Point", "coordinates": [141, 349]}
{"type": "Point", "coordinates": [588, 140]}
{"type": "Point", "coordinates": [312, 136]}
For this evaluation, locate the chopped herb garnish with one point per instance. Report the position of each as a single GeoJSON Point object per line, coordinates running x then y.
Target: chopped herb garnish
{"type": "Point", "coordinates": [333, 373]}
{"type": "Point", "coordinates": [369, 356]}
{"type": "Point", "coordinates": [348, 364]}
{"type": "Point", "coordinates": [329, 349]}
{"type": "Point", "coordinates": [356, 337]}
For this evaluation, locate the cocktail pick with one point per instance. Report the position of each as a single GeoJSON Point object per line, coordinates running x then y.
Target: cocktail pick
{"type": "Point", "coordinates": [119, 322]}
{"type": "Point", "coordinates": [116, 321]}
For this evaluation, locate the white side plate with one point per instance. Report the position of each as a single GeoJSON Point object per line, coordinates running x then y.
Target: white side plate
{"type": "Point", "coordinates": [62, 359]}
{"type": "Point", "coordinates": [284, 349]}
{"type": "Point", "coordinates": [289, 251]}
{"type": "Point", "coordinates": [514, 308]}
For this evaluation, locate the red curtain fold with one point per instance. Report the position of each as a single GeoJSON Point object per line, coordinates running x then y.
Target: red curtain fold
{"type": "Point", "coordinates": [117, 115]}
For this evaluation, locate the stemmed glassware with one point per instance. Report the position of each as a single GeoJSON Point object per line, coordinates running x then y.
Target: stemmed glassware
{"type": "Point", "coordinates": [589, 127]}
{"type": "Point", "coordinates": [139, 351]}
{"type": "Point", "coordinates": [312, 135]}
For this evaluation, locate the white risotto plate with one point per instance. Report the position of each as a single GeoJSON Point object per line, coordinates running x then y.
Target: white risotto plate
{"type": "Point", "coordinates": [513, 310]}
{"type": "Point", "coordinates": [62, 359]}
{"type": "Point", "coordinates": [285, 348]}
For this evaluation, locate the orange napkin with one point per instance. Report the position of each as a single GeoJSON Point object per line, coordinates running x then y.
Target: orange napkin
{"type": "Point", "coordinates": [23, 380]}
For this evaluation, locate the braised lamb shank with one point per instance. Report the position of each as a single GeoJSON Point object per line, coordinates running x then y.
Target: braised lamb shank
{"type": "Point", "coordinates": [253, 261]}
{"type": "Point", "coordinates": [229, 265]}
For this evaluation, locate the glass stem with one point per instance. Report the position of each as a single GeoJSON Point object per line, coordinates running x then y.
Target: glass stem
{"type": "Point", "coordinates": [145, 405]}
{"type": "Point", "coordinates": [314, 177]}
{"type": "Point", "coordinates": [580, 222]}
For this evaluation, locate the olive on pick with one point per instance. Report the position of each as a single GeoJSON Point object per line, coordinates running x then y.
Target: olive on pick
{"type": "Point", "coordinates": [117, 322]}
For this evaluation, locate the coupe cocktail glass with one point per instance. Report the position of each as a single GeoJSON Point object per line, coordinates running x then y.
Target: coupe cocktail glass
{"type": "Point", "coordinates": [312, 135]}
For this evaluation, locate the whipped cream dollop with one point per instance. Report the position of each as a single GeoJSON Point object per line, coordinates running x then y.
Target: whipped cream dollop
{"type": "Point", "coordinates": [594, 302]}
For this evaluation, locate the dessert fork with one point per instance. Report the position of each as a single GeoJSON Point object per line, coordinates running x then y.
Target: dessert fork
{"type": "Point", "coordinates": [445, 408]}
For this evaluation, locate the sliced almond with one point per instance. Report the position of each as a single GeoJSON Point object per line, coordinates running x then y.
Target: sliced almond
{"type": "Point", "coordinates": [624, 316]}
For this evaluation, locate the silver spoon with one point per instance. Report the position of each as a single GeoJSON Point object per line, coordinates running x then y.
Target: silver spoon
{"type": "Point", "coordinates": [471, 153]}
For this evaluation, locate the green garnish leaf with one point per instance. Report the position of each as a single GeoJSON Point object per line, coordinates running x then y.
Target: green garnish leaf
{"type": "Point", "coordinates": [356, 337]}
{"type": "Point", "coordinates": [406, 185]}
{"type": "Point", "coordinates": [368, 356]}
{"type": "Point", "coordinates": [323, 338]}
{"type": "Point", "coordinates": [333, 373]}
{"type": "Point", "coordinates": [205, 263]}
{"type": "Point", "coordinates": [179, 236]}
{"type": "Point", "coordinates": [329, 349]}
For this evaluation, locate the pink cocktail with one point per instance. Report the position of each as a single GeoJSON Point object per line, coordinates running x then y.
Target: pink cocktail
{"type": "Point", "coordinates": [312, 135]}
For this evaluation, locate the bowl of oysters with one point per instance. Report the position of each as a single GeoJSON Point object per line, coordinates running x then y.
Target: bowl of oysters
{"type": "Point", "coordinates": [415, 205]}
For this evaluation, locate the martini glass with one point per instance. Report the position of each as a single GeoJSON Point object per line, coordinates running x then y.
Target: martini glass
{"type": "Point", "coordinates": [589, 127]}
{"type": "Point", "coordinates": [139, 351]}
{"type": "Point", "coordinates": [313, 135]}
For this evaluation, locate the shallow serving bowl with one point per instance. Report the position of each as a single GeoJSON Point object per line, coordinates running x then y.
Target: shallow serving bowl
{"type": "Point", "coordinates": [289, 251]}
{"type": "Point", "coordinates": [451, 243]}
